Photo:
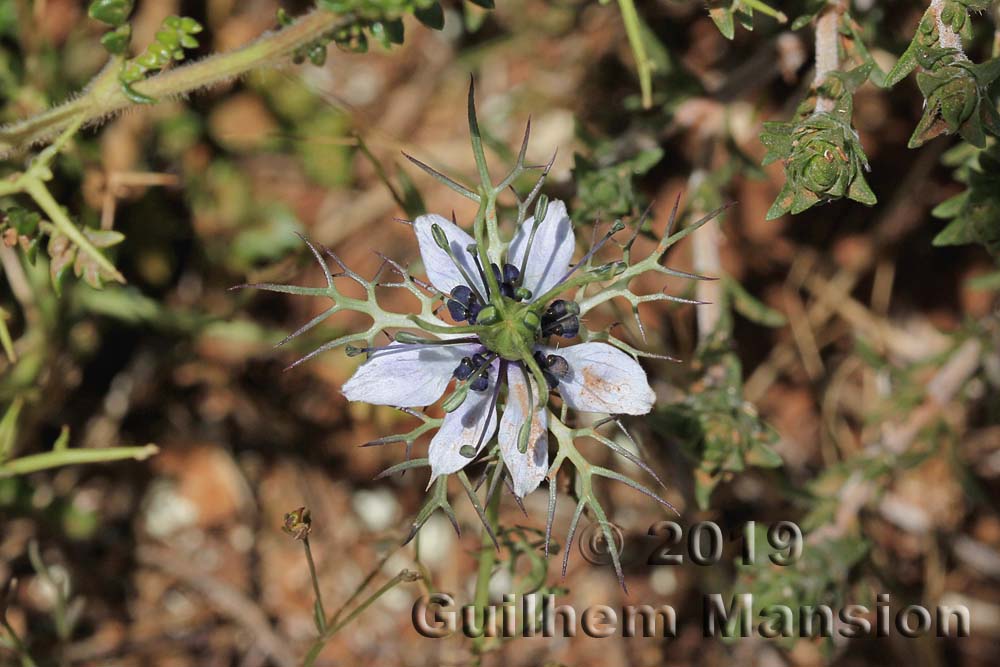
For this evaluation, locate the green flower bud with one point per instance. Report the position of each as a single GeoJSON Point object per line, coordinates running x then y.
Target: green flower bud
{"type": "Point", "coordinates": [823, 157]}
{"type": "Point", "coordinates": [956, 97]}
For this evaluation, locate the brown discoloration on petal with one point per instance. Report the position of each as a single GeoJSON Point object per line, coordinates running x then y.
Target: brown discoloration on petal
{"type": "Point", "coordinates": [598, 385]}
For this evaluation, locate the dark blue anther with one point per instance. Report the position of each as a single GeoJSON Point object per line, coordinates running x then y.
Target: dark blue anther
{"type": "Point", "coordinates": [458, 312]}
{"type": "Point", "coordinates": [463, 304]}
{"type": "Point", "coordinates": [551, 378]}
{"type": "Point", "coordinates": [506, 279]}
{"type": "Point", "coordinates": [557, 365]}
{"type": "Point", "coordinates": [474, 311]}
{"type": "Point", "coordinates": [560, 319]}
{"type": "Point", "coordinates": [462, 294]}
{"type": "Point", "coordinates": [569, 327]}
{"type": "Point", "coordinates": [464, 370]}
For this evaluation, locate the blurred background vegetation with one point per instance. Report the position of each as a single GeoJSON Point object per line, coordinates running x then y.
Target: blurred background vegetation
{"type": "Point", "coordinates": [845, 376]}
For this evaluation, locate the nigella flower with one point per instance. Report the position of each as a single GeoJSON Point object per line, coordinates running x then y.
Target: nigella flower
{"type": "Point", "coordinates": [502, 344]}
{"type": "Point", "coordinates": [509, 357]}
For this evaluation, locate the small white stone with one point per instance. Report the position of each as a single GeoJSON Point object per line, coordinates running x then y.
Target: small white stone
{"type": "Point", "coordinates": [377, 508]}
{"type": "Point", "coordinates": [167, 511]}
{"type": "Point", "coordinates": [436, 540]}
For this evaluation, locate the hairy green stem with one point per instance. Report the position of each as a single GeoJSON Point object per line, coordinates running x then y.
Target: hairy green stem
{"type": "Point", "coordinates": [487, 559]}
{"type": "Point", "coordinates": [98, 102]}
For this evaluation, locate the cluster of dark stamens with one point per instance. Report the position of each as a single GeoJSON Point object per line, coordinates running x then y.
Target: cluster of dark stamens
{"type": "Point", "coordinates": [477, 365]}
{"type": "Point", "coordinates": [509, 280]}
{"type": "Point", "coordinates": [561, 318]}
{"type": "Point", "coordinates": [465, 303]}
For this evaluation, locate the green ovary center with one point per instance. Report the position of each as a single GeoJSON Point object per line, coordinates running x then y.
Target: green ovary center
{"type": "Point", "coordinates": [513, 334]}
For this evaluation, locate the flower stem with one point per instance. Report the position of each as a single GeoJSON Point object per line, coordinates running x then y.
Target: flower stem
{"type": "Point", "coordinates": [65, 457]}
{"type": "Point", "coordinates": [99, 102]}
{"type": "Point", "coordinates": [487, 559]}
{"type": "Point", "coordinates": [633, 30]}
{"type": "Point", "coordinates": [334, 628]}
{"type": "Point", "coordinates": [320, 611]}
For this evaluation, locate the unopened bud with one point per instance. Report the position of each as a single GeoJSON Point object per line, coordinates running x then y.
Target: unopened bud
{"type": "Point", "coordinates": [298, 524]}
